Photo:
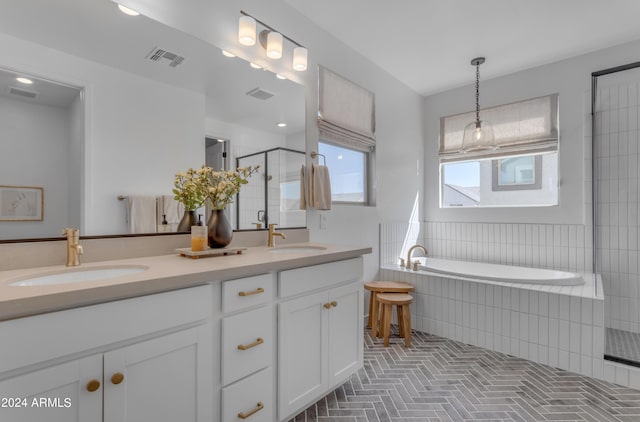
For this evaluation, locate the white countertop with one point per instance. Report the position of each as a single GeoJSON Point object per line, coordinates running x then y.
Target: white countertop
{"type": "Point", "coordinates": [166, 272]}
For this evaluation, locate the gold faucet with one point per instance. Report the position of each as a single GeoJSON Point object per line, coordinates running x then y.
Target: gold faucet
{"type": "Point", "coordinates": [272, 234]}
{"type": "Point", "coordinates": [74, 248]}
{"type": "Point", "coordinates": [408, 264]}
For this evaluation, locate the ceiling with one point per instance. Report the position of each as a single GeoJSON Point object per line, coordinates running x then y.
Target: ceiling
{"type": "Point", "coordinates": [97, 31]}
{"type": "Point", "coordinates": [428, 44]}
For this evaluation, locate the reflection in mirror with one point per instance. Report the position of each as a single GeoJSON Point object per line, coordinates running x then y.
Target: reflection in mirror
{"type": "Point", "coordinates": [142, 116]}
{"type": "Point", "coordinates": [41, 144]}
{"type": "Point", "coordinates": [273, 195]}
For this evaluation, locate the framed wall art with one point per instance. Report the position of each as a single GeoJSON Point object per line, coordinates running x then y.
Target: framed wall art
{"type": "Point", "coordinates": [21, 203]}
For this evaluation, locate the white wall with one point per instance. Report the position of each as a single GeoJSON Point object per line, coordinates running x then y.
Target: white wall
{"type": "Point", "coordinates": [138, 132]}
{"type": "Point", "coordinates": [398, 109]}
{"type": "Point", "coordinates": [40, 133]}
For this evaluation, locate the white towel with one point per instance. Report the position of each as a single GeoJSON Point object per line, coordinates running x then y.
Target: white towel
{"type": "Point", "coordinates": [173, 210]}
{"type": "Point", "coordinates": [320, 191]}
{"type": "Point", "coordinates": [304, 188]}
{"type": "Point", "coordinates": [141, 213]}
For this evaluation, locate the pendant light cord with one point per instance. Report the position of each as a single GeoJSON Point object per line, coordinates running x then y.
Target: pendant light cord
{"type": "Point", "coordinates": [478, 94]}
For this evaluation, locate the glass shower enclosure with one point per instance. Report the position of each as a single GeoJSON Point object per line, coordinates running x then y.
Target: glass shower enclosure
{"type": "Point", "coordinates": [273, 193]}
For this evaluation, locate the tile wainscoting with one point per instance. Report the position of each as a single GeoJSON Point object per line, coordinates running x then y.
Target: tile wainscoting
{"type": "Point", "coordinates": [559, 330]}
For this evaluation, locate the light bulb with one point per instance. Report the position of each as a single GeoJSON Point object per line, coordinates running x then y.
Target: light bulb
{"type": "Point", "coordinates": [227, 54]}
{"type": "Point", "coordinates": [127, 11]}
{"type": "Point", "coordinates": [24, 80]}
{"type": "Point", "coordinates": [274, 45]}
{"type": "Point", "coordinates": [300, 59]}
{"type": "Point", "coordinates": [247, 30]}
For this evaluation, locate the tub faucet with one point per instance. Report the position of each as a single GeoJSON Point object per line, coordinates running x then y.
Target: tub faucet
{"type": "Point", "coordinates": [272, 233]}
{"type": "Point", "coordinates": [74, 248]}
{"type": "Point", "coordinates": [408, 263]}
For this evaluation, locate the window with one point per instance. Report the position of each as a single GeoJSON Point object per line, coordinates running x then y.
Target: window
{"type": "Point", "coordinates": [348, 173]}
{"type": "Point", "coordinates": [522, 171]}
{"type": "Point", "coordinates": [346, 122]}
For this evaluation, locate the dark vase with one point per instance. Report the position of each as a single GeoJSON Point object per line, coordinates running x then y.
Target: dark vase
{"type": "Point", "coordinates": [219, 228]}
{"type": "Point", "coordinates": [188, 219]}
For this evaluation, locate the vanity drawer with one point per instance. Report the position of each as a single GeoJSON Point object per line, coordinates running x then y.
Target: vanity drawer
{"type": "Point", "coordinates": [247, 343]}
{"type": "Point", "coordinates": [246, 292]}
{"type": "Point", "coordinates": [307, 279]}
{"type": "Point", "coordinates": [252, 394]}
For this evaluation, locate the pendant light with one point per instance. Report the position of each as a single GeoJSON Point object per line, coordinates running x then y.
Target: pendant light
{"type": "Point", "coordinates": [478, 135]}
{"type": "Point", "coordinates": [300, 59]}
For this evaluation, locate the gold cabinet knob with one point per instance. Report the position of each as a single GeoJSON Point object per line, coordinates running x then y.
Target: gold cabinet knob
{"type": "Point", "coordinates": [334, 303]}
{"type": "Point", "coordinates": [93, 385]}
{"type": "Point", "coordinates": [327, 305]}
{"type": "Point", "coordinates": [117, 378]}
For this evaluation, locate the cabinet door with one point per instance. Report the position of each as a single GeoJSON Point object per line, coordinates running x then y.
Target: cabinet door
{"type": "Point", "coordinates": [163, 379]}
{"type": "Point", "coordinates": [302, 352]}
{"type": "Point", "coordinates": [55, 394]}
{"type": "Point", "coordinates": [345, 332]}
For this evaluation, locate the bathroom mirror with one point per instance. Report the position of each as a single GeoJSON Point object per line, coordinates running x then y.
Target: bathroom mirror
{"type": "Point", "coordinates": [146, 98]}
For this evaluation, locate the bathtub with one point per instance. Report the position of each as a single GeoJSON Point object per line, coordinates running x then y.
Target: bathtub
{"type": "Point", "coordinates": [499, 273]}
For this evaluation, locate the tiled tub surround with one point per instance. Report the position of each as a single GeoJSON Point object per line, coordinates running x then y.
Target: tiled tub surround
{"type": "Point", "coordinates": [560, 326]}
{"type": "Point", "coordinates": [564, 247]}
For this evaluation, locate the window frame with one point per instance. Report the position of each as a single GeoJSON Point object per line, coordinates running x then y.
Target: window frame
{"type": "Point", "coordinates": [368, 174]}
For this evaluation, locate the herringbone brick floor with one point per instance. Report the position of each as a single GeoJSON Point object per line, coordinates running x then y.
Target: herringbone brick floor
{"type": "Point", "coordinates": [438, 379]}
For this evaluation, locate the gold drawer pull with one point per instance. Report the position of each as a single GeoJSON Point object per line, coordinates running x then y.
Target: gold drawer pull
{"type": "Point", "coordinates": [327, 305]}
{"type": "Point", "coordinates": [252, 292]}
{"type": "Point", "coordinates": [117, 378]}
{"type": "Point", "coordinates": [258, 342]}
{"type": "Point", "coordinates": [93, 385]}
{"type": "Point", "coordinates": [258, 408]}
{"type": "Point", "coordinates": [334, 303]}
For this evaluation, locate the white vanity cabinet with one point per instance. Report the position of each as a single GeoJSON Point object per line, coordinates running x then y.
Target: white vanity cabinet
{"type": "Point", "coordinates": [248, 342]}
{"type": "Point", "coordinates": [141, 359]}
{"type": "Point", "coordinates": [320, 331]}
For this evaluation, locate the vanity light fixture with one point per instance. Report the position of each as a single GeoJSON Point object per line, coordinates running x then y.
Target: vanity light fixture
{"type": "Point", "coordinates": [227, 54]}
{"type": "Point", "coordinates": [271, 40]}
{"type": "Point", "coordinates": [24, 80]}
{"type": "Point", "coordinates": [127, 11]}
{"type": "Point", "coordinates": [478, 135]}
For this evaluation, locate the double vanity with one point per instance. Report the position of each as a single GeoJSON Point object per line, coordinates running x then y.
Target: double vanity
{"type": "Point", "coordinates": [258, 336]}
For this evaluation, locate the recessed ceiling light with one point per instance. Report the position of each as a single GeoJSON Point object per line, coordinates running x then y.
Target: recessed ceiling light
{"type": "Point", "coordinates": [220, 140]}
{"type": "Point", "coordinates": [227, 54]}
{"type": "Point", "coordinates": [279, 76]}
{"type": "Point", "coordinates": [127, 11]}
{"type": "Point", "coordinates": [23, 80]}
{"type": "Point", "coordinates": [255, 66]}
{"type": "Point", "coordinates": [282, 125]}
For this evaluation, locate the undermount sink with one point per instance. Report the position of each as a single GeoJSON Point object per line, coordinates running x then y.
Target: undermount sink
{"type": "Point", "coordinates": [297, 249]}
{"type": "Point", "coordinates": [77, 275]}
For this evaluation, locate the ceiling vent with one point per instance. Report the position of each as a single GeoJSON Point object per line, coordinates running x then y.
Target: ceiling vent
{"type": "Point", "coordinates": [260, 94]}
{"type": "Point", "coordinates": [158, 54]}
{"type": "Point", "coordinates": [22, 92]}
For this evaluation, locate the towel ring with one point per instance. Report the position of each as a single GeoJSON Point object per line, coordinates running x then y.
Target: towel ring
{"type": "Point", "coordinates": [315, 154]}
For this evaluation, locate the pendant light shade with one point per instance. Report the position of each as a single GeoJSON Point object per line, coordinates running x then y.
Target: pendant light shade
{"type": "Point", "coordinates": [247, 30]}
{"type": "Point", "coordinates": [478, 135]}
{"type": "Point", "coordinates": [274, 45]}
{"type": "Point", "coordinates": [300, 59]}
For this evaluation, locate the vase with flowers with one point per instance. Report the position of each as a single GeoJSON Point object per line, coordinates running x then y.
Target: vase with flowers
{"type": "Point", "coordinates": [217, 189]}
{"type": "Point", "coordinates": [188, 190]}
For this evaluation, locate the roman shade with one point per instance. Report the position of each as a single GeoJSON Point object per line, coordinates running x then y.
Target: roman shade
{"type": "Point", "coordinates": [523, 127]}
{"type": "Point", "coordinates": [346, 112]}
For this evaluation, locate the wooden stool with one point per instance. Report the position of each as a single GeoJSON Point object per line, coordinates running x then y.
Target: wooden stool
{"type": "Point", "coordinates": [376, 287]}
{"type": "Point", "coordinates": [402, 301]}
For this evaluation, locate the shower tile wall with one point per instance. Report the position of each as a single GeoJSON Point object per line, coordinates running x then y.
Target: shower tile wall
{"type": "Point", "coordinates": [565, 247]}
{"type": "Point", "coordinates": [617, 200]}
